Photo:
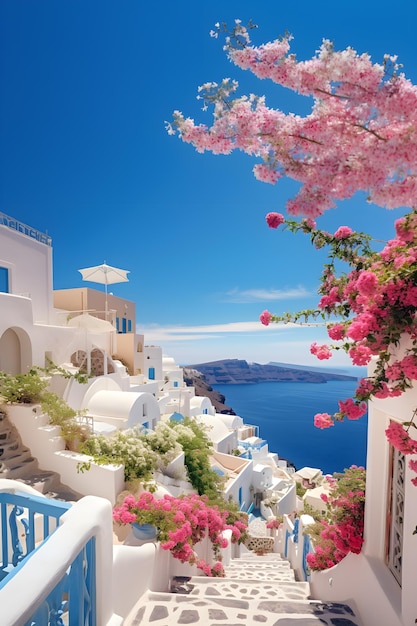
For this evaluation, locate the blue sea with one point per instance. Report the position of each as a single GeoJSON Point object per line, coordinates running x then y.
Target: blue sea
{"type": "Point", "coordinates": [284, 413]}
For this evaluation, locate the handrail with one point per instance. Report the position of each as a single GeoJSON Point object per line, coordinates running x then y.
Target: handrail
{"type": "Point", "coordinates": [307, 548]}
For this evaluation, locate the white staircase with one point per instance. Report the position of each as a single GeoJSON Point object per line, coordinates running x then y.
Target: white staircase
{"type": "Point", "coordinates": [256, 590]}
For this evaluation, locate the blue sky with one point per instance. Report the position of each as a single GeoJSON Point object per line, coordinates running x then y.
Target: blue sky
{"type": "Point", "coordinates": [86, 86]}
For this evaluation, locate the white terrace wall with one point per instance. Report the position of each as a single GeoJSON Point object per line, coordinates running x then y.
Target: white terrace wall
{"type": "Point", "coordinates": [366, 577]}
{"type": "Point", "coordinates": [46, 445]}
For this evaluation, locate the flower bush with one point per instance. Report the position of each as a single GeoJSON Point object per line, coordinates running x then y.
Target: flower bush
{"type": "Point", "coordinates": [127, 448]}
{"type": "Point", "coordinates": [275, 522]}
{"type": "Point", "coordinates": [142, 452]}
{"type": "Point", "coordinates": [197, 447]}
{"type": "Point", "coordinates": [341, 530]}
{"type": "Point", "coordinates": [182, 523]}
{"type": "Point", "coordinates": [399, 437]}
{"type": "Point", "coordinates": [374, 303]}
{"type": "Point", "coordinates": [32, 388]}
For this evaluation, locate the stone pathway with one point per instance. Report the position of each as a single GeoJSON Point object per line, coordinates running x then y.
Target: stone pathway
{"type": "Point", "coordinates": [243, 598]}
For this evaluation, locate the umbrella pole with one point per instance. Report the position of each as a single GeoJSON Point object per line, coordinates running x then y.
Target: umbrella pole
{"type": "Point", "coordinates": [105, 304]}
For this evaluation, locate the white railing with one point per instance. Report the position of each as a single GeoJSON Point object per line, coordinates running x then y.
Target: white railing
{"type": "Point", "coordinates": [295, 544]}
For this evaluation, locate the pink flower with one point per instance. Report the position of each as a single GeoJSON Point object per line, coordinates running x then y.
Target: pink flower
{"type": "Point", "coordinates": [323, 420]}
{"type": "Point", "coordinates": [400, 439]}
{"type": "Point", "coordinates": [274, 219]}
{"type": "Point", "coordinates": [409, 365]}
{"type": "Point", "coordinates": [265, 317]}
{"type": "Point", "coordinates": [343, 232]}
{"type": "Point", "coordinates": [352, 410]}
{"type": "Point", "coordinates": [412, 465]}
{"type": "Point", "coordinates": [367, 283]}
{"type": "Point", "coordinates": [336, 332]}
{"type": "Point", "coordinates": [403, 230]}
{"type": "Point", "coordinates": [360, 355]}
{"type": "Point", "coordinates": [321, 352]}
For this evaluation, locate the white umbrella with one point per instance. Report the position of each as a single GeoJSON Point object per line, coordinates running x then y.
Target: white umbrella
{"type": "Point", "coordinates": [91, 323]}
{"type": "Point", "coordinates": [105, 275]}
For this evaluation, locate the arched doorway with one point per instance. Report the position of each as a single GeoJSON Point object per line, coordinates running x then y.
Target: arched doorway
{"type": "Point", "coordinates": [15, 351]}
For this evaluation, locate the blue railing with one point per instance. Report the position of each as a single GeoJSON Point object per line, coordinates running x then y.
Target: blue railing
{"type": "Point", "coordinates": [252, 446]}
{"type": "Point", "coordinates": [14, 224]}
{"type": "Point", "coordinates": [73, 600]}
{"type": "Point", "coordinates": [20, 515]}
{"type": "Point", "coordinates": [27, 522]}
{"type": "Point", "coordinates": [307, 548]}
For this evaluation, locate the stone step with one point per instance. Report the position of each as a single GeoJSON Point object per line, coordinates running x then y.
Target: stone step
{"type": "Point", "coordinates": [165, 609]}
{"type": "Point", "coordinates": [6, 432]}
{"type": "Point", "coordinates": [263, 564]}
{"type": "Point", "coordinates": [19, 469]}
{"type": "Point", "coordinates": [12, 451]}
{"type": "Point", "coordinates": [18, 457]}
{"type": "Point", "coordinates": [17, 463]}
{"type": "Point", "coordinates": [247, 589]}
{"type": "Point", "coordinates": [252, 556]}
{"type": "Point", "coordinates": [6, 446]}
{"type": "Point", "coordinates": [41, 480]}
{"type": "Point", "coordinates": [282, 575]}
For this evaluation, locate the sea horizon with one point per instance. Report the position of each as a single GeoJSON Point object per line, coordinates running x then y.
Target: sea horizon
{"type": "Point", "coordinates": [284, 413]}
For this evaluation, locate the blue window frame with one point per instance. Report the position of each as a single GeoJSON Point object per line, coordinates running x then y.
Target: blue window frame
{"type": "Point", "coordinates": [129, 326]}
{"type": "Point", "coordinates": [4, 280]}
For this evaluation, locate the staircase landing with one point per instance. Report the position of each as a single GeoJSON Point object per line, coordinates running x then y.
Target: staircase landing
{"type": "Point", "coordinates": [256, 590]}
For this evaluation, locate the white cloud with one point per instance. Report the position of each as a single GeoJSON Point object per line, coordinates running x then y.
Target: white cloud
{"type": "Point", "coordinates": [247, 296]}
{"type": "Point", "coordinates": [212, 331]}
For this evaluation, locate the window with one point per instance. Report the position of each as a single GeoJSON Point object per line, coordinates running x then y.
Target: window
{"type": "Point", "coordinates": [117, 324]}
{"type": "Point", "coordinates": [395, 513]}
{"type": "Point", "coordinates": [175, 383]}
{"type": "Point", "coordinates": [4, 280]}
{"type": "Point", "coordinates": [129, 326]}
{"type": "Point", "coordinates": [151, 373]}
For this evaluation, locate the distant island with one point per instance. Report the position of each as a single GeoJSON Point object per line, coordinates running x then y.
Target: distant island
{"type": "Point", "coordinates": [237, 371]}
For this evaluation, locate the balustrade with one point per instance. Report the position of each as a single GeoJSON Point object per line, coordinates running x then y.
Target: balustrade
{"type": "Point", "coordinates": [27, 524]}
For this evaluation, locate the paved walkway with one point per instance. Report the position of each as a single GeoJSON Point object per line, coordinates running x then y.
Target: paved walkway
{"type": "Point", "coordinates": [257, 590]}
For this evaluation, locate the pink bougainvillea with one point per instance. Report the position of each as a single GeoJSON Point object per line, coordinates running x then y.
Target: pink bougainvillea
{"type": "Point", "coordinates": [265, 318]}
{"type": "Point", "coordinates": [182, 523]}
{"type": "Point", "coordinates": [274, 219]}
{"type": "Point", "coordinates": [323, 420]}
{"type": "Point", "coordinates": [321, 352]}
{"type": "Point", "coordinates": [340, 531]}
{"type": "Point", "coordinates": [360, 135]}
